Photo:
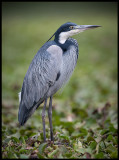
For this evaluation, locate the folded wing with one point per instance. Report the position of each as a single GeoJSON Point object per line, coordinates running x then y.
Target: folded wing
{"type": "Point", "coordinates": [41, 75]}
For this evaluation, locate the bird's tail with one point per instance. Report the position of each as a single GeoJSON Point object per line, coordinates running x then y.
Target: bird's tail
{"type": "Point", "coordinates": [24, 113]}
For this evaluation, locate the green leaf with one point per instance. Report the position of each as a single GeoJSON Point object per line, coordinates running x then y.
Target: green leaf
{"type": "Point", "coordinates": [64, 136]}
{"type": "Point", "coordinates": [82, 150]}
{"type": "Point", "coordinates": [90, 121]}
{"type": "Point", "coordinates": [112, 129]}
{"type": "Point", "coordinates": [3, 127]}
{"type": "Point", "coordinates": [50, 155]}
{"type": "Point", "coordinates": [15, 139]}
{"type": "Point", "coordinates": [7, 140]}
{"type": "Point", "coordinates": [110, 148]}
{"type": "Point", "coordinates": [100, 155]}
{"type": "Point", "coordinates": [36, 144]}
{"type": "Point", "coordinates": [31, 134]}
{"type": "Point", "coordinates": [115, 140]}
{"type": "Point", "coordinates": [22, 150]}
{"type": "Point", "coordinates": [68, 155]}
{"type": "Point", "coordinates": [24, 156]}
{"type": "Point", "coordinates": [104, 131]}
{"type": "Point", "coordinates": [110, 138]}
{"type": "Point", "coordinates": [23, 140]}
{"type": "Point", "coordinates": [93, 145]}
{"type": "Point", "coordinates": [42, 147]}
{"type": "Point", "coordinates": [81, 112]}
{"type": "Point", "coordinates": [102, 145]}
{"type": "Point", "coordinates": [40, 156]}
{"type": "Point", "coordinates": [11, 155]}
{"type": "Point", "coordinates": [15, 156]}
{"type": "Point", "coordinates": [82, 132]}
{"type": "Point", "coordinates": [88, 150]}
{"type": "Point", "coordinates": [114, 155]}
{"type": "Point", "coordinates": [67, 125]}
{"type": "Point", "coordinates": [90, 138]}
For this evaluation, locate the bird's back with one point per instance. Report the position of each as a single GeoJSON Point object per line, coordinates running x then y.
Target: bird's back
{"type": "Point", "coordinates": [41, 75]}
{"type": "Point", "coordinates": [49, 70]}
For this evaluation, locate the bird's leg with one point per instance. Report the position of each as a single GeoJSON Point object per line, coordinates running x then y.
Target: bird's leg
{"type": "Point", "coordinates": [43, 119]}
{"type": "Point", "coordinates": [50, 119]}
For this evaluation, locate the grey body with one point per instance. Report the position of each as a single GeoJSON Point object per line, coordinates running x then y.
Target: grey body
{"type": "Point", "coordinates": [41, 79]}
{"type": "Point", "coordinates": [49, 70]}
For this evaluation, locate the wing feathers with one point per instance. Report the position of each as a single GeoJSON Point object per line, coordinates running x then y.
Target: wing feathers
{"type": "Point", "coordinates": [41, 74]}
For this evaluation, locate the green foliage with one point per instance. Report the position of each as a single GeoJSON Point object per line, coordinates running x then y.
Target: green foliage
{"type": "Point", "coordinates": [42, 148]}
{"type": "Point", "coordinates": [85, 113]}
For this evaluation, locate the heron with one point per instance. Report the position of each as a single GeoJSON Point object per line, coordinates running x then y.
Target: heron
{"type": "Point", "coordinates": [50, 69]}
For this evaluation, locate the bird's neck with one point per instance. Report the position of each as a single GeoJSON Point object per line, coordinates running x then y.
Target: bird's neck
{"type": "Point", "coordinates": [66, 44]}
{"type": "Point", "coordinates": [63, 44]}
{"type": "Point", "coordinates": [61, 37]}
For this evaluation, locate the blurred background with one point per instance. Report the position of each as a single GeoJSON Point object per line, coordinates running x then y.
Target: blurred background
{"type": "Point", "coordinates": [26, 26]}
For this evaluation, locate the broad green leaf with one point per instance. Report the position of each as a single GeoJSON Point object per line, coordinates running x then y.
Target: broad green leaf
{"type": "Point", "coordinates": [110, 148]}
{"type": "Point", "coordinates": [114, 155]}
{"type": "Point", "coordinates": [10, 155]}
{"type": "Point", "coordinates": [115, 140]}
{"type": "Point", "coordinates": [93, 145]}
{"type": "Point", "coordinates": [112, 129]}
{"type": "Point", "coordinates": [15, 139]}
{"type": "Point", "coordinates": [90, 138]}
{"type": "Point", "coordinates": [64, 136]}
{"type": "Point", "coordinates": [24, 156]}
{"type": "Point", "coordinates": [104, 131]}
{"type": "Point", "coordinates": [100, 155]}
{"type": "Point", "coordinates": [90, 121]}
{"type": "Point", "coordinates": [22, 150]}
{"type": "Point", "coordinates": [50, 155]}
{"type": "Point", "coordinates": [42, 147]}
{"type": "Point", "coordinates": [110, 138]}
{"type": "Point", "coordinates": [68, 154]}
{"type": "Point", "coordinates": [82, 132]}
{"type": "Point", "coordinates": [81, 112]}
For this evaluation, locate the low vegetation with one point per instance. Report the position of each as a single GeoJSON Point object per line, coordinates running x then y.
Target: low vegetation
{"type": "Point", "coordinates": [85, 111]}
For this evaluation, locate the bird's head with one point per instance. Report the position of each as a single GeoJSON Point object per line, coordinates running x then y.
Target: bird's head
{"type": "Point", "coordinates": [69, 29]}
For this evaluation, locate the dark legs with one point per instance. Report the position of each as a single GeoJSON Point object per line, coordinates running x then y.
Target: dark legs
{"type": "Point", "coordinates": [43, 119]}
{"type": "Point", "coordinates": [50, 119]}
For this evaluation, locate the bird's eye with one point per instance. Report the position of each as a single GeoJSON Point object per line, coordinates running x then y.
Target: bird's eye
{"type": "Point", "coordinates": [71, 27]}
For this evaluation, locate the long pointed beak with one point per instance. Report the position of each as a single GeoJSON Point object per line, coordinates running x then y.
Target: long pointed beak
{"type": "Point", "coordinates": [86, 27]}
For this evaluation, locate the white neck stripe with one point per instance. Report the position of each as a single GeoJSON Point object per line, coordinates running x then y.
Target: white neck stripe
{"type": "Point", "coordinates": [63, 36]}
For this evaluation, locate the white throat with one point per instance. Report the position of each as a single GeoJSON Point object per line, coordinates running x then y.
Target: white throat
{"type": "Point", "coordinates": [63, 36]}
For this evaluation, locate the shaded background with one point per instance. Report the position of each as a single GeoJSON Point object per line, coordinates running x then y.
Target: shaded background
{"type": "Point", "coordinates": [26, 26]}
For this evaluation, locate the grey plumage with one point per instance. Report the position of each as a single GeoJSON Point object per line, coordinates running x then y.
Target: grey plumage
{"type": "Point", "coordinates": [40, 79]}
{"type": "Point", "coordinates": [49, 70]}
